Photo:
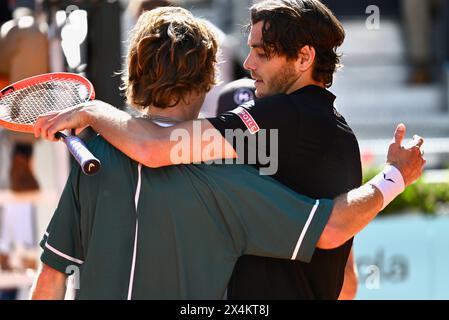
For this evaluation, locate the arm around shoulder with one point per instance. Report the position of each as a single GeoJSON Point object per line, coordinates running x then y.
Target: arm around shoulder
{"type": "Point", "coordinates": [354, 210]}
{"type": "Point", "coordinates": [191, 141]}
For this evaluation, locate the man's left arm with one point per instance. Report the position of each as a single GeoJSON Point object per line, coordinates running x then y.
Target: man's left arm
{"type": "Point", "coordinates": [50, 285]}
{"type": "Point", "coordinates": [61, 244]}
{"type": "Point", "coordinates": [354, 210]}
{"type": "Point", "coordinates": [350, 281]}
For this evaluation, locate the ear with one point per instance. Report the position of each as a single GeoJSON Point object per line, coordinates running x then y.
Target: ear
{"type": "Point", "coordinates": [306, 58]}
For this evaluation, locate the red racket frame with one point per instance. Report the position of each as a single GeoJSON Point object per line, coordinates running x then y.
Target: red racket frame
{"type": "Point", "coordinates": [25, 83]}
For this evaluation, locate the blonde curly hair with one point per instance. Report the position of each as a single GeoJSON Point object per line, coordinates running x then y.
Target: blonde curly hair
{"type": "Point", "coordinates": [171, 55]}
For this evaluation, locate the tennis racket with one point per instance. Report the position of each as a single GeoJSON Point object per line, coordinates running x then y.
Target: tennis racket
{"type": "Point", "coordinates": [24, 101]}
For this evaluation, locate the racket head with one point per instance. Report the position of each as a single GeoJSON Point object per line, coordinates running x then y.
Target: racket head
{"type": "Point", "coordinates": [23, 101]}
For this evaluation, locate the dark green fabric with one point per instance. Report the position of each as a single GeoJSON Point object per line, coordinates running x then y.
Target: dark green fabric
{"type": "Point", "coordinates": [194, 221]}
{"type": "Point", "coordinates": [95, 223]}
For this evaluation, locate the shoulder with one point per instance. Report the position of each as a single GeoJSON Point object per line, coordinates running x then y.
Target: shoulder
{"type": "Point", "coordinates": [265, 113]}
{"type": "Point", "coordinates": [97, 144]}
{"type": "Point", "coordinates": [271, 109]}
{"type": "Point", "coordinates": [110, 157]}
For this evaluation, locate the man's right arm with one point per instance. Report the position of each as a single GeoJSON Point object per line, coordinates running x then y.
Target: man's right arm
{"type": "Point", "coordinates": [50, 285]}
{"type": "Point", "coordinates": [191, 141]}
{"type": "Point", "coordinates": [354, 210]}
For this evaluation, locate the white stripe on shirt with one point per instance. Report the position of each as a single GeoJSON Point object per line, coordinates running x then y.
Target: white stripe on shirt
{"type": "Point", "coordinates": [136, 202]}
{"type": "Point", "coordinates": [304, 230]}
{"type": "Point", "coordinates": [63, 255]}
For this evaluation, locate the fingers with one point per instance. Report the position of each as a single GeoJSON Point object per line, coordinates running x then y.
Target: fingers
{"type": "Point", "coordinates": [418, 141]}
{"type": "Point", "coordinates": [54, 125]}
{"type": "Point", "coordinates": [415, 147]}
{"type": "Point", "coordinates": [42, 125]}
{"type": "Point", "coordinates": [415, 143]}
{"type": "Point", "coordinates": [420, 163]}
{"type": "Point", "coordinates": [47, 125]}
{"type": "Point", "coordinates": [416, 170]}
{"type": "Point", "coordinates": [399, 133]}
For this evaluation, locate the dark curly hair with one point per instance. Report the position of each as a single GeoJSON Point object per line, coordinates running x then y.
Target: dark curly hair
{"type": "Point", "coordinates": [289, 25]}
{"type": "Point", "coordinates": [171, 55]}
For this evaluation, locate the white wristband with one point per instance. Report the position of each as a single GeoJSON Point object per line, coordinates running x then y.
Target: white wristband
{"type": "Point", "coordinates": [390, 183]}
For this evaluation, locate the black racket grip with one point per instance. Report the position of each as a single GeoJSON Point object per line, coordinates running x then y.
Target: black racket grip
{"type": "Point", "coordinates": [89, 164]}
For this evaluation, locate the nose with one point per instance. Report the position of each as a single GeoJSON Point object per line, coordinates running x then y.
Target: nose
{"type": "Point", "coordinates": [248, 64]}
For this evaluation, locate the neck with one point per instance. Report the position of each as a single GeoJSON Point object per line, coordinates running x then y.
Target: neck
{"type": "Point", "coordinates": [304, 79]}
{"type": "Point", "coordinates": [178, 113]}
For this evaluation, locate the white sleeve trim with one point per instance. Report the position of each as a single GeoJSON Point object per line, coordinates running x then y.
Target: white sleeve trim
{"type": "Point", "coordinates": [63, 255]}
{"type": "Point", "coordinates": [304, 230]}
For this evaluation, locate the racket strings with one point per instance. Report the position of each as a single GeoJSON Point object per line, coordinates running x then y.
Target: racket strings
{"type": "Point", "coordinates": [23, 106]}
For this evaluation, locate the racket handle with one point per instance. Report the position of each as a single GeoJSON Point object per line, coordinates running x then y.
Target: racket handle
{"type": "Point", "coordinates": [89, 164]}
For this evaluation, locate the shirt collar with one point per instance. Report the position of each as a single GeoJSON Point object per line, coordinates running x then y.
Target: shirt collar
{"type": "Point", "coordinates": [316, 90]}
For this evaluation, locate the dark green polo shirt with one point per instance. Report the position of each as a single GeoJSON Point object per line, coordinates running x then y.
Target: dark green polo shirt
{"type": "Point", "coordinates": [174, 232]}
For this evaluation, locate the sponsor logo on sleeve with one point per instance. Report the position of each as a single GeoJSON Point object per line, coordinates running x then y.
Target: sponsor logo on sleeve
{"type": "Point", "coordinates": [247, 119]}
